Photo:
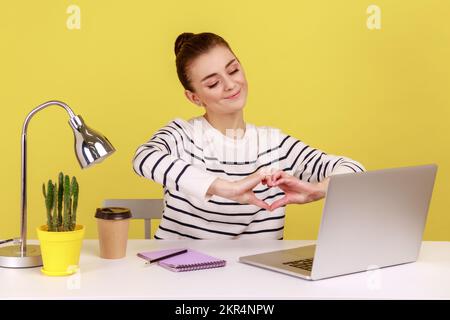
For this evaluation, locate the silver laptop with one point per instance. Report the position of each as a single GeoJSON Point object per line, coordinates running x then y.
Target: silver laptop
{"type": "Point", "coordinates": [370, 220]}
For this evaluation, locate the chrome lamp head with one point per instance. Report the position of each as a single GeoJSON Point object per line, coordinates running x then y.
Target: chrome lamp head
{"type": "Point", "coordinates": [91, 147]}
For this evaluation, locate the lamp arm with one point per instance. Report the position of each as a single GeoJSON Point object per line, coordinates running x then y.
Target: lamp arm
{"type": "Point", "coordinates": [23, 227]}
{"type": "Point", "coordinates": [43, 106]}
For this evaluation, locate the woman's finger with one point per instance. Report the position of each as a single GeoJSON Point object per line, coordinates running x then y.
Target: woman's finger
{"type": "Point", "coordinates": [281, 181]}
{"type": "Point", "coordinates": [279, 203]}
{"type": "Point", "coordinates": [270, 181]}
{"type": "Point", "coordinates": [258, 202]}
{"type": "Point", "coordinates": [277, 174]}
{"type": "Point", "coordinates": [272, 172]}
{"type": "Point", "coordinates": [293, 184]}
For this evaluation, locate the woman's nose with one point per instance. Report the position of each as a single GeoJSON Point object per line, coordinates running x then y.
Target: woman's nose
{"type": "Point", "coordinates": [229, 84]}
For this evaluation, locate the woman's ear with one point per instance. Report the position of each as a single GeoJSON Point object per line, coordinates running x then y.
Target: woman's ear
{"type": "Point", "coordinates": [192, 97]}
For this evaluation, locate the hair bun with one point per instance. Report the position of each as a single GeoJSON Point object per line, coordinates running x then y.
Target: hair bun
{"type": "Point", "coordinates": [181, 39]}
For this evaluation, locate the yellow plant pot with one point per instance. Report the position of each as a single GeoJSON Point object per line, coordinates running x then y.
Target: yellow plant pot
{"type": "Point", "coordinates": [60, 250]}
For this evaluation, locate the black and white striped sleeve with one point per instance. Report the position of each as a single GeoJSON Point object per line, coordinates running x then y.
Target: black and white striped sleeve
{"type": "Point", "coordinates": [314, 165]}
{"type": "Point", "coordinates": [159, 160]}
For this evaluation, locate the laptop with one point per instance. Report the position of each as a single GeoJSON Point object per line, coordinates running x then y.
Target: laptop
{"type": "Point", "coordinates": [370, 220]}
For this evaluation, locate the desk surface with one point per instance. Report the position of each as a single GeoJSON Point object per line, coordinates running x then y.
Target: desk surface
{"type": "Point", "coordinates": [131, 278]}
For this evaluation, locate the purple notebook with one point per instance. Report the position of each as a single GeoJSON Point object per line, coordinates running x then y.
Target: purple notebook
{"type": "Point", "coordinates": [189, 261]}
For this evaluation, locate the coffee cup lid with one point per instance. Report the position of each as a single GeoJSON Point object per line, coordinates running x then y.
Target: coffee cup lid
{"type": "Point", "coordinates": [113, 213]}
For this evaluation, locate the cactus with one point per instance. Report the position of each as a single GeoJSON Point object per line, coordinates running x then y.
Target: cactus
{"type": "Point", "coordinates": [60, 197]}
{"type": "Point", "coordinates": [54, 206]}
{"type": "Point", "coordinates": [74, 205]}
{"type": "Point", "coordinates": [61, 202]}
{"type": "Point", "coordinates": [66, 202]}
{"type": "Point", "coordinates": [49, 203]}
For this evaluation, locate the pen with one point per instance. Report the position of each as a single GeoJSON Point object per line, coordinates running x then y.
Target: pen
{"type": "Point", "coordinates": [167, 256]}
{"type": "Point", "coordinates": [5, 241]}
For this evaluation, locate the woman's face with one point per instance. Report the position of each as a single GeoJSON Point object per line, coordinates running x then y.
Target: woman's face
{"type": "Point", "coordinates": [219, 81]}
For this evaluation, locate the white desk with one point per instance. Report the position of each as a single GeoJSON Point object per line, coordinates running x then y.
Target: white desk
{"type": "Point", "coordinates": [131, 278]}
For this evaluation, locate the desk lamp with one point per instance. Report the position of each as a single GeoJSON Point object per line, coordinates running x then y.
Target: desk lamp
{"type": "Point", "coordinates": [91, 147]}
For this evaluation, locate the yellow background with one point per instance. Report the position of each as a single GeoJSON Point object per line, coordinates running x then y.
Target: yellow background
{"type": "Point", "coordinates": [314, 70]}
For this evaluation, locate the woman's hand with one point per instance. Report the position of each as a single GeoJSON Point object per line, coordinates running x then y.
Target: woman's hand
{"type": "Point", "coordinates": [241, 190]}
{"type": "Point", "coordinates": [296, 190]}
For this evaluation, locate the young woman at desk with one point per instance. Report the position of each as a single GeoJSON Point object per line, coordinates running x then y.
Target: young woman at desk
{"type": "Point", "coordinates": [224, 178]}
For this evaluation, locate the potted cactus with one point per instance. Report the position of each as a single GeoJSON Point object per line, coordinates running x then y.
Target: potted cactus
{"type": "Point", "coordinates": [61, 238]}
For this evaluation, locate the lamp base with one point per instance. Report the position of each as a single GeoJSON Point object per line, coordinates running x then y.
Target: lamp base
{"type": "Point", "coordinates": [11, 257]}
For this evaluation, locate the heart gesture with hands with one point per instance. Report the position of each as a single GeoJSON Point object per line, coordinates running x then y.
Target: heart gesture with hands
{"type": "Point", "coordinates": [240, 191]}
{"type": "Point", "coordinates": [296, 190]}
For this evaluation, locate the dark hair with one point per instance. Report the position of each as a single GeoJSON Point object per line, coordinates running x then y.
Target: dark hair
{"type": "Point", "coordinates": [189, 46]}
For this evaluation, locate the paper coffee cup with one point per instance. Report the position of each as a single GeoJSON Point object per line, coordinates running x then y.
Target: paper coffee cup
{"type": "Point", "coordinates": [113, 224]}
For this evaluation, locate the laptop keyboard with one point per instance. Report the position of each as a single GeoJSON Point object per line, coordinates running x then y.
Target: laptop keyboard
{"type": "Point", "coordinates": [305, 264]}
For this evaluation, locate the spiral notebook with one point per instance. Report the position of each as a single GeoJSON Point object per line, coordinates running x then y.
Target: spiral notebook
{"type": "Point", "coordinates": [189, 261]}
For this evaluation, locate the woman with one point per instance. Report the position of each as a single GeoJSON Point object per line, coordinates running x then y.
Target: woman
{"type": "Point", "coordinates": [224, 178]}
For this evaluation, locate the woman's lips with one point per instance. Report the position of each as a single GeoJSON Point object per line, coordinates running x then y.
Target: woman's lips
{"type": "Point", "coordinates": [235, 96]}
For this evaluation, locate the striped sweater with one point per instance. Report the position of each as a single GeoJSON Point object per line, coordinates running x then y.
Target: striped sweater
{"type": "Point", "coordinates": [187, 156]}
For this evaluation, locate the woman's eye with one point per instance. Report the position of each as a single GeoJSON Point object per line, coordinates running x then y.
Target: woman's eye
{"type": "Point", "coordinates": [232, 72]}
